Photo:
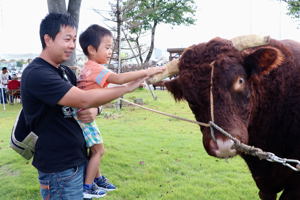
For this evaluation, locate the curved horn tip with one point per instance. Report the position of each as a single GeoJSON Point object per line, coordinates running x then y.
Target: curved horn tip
{"type": "Point", "coordinates": [172, 68]}
{"type": "Point", "coordinates": [247, 41]}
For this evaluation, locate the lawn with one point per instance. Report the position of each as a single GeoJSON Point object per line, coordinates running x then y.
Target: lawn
{"type": "Point", "coordinates": [148, 157]}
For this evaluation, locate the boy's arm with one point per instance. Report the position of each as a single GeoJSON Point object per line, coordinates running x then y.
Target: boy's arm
{"type": "Point", "coordinates": [131, 76]}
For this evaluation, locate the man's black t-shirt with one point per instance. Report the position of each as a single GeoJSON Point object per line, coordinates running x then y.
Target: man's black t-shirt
{"type": "Point", "coordinates": [61, 144]}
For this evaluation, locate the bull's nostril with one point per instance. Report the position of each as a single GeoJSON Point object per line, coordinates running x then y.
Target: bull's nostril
{"type": "Point", "coordinates": [225, 148]}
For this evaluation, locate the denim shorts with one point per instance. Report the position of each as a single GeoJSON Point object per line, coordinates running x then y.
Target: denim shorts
{"type": "Point", "coordinates": [64, 185]}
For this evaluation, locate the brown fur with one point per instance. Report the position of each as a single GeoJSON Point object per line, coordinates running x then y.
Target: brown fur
{"type": "Point", "coordinates": [265, 111]}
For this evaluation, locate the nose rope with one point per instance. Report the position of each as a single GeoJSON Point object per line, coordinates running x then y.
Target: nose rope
{"type": "Point", "coordinates": [211, 98]}
{"type": "Point", "coordinates": [238, 145]}
{"type": "Point", "coordinates": [167, 114]}
{"type": "Point", "coordinates": [211, 93]}
{"type": "Point", "coordinates": [241, 147]}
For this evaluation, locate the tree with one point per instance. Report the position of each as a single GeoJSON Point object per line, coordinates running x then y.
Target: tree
{"type": "Point", "coordinates": [150, 13]}
{"type": "Point", "coordinates": [59, 6]}
{"type": "Point", "coordinates": [294, 8]}
{"type": "Point", "coordinates": [116, 20]}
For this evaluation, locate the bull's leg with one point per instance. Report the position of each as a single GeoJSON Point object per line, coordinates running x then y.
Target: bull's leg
{"type": "Point", "coordinates": [290, 194]}
{"type": "Point", "coordinates": [262, 174]}
{"type": "Point", "coordinates": [267, 196]}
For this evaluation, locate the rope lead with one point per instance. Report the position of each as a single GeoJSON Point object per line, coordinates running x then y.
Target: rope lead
{"type": "Point", "coordinates": [238, 145]}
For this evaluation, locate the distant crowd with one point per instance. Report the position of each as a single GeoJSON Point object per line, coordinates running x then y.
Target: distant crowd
{"type": "Point", "coordinates": [9, 86]}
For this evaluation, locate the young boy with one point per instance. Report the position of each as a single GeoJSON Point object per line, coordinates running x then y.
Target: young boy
{"type": "Point", "coordinates": [96, 43]}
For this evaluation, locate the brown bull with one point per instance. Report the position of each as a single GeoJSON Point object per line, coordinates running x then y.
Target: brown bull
{"type": "Point", "coordinates": [256, 98]}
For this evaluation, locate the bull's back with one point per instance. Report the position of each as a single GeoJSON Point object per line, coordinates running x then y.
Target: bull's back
{"type": "Point", "coordinates": [294, 47]}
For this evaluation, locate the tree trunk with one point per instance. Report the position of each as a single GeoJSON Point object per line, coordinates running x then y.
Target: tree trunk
{"type": "Point", "coordinates": [152, 43]}
{"type": "Point", "coordinates": [119, 24]}
{"type": "Point", "coordinates": [139, 50]}
{"type": "Point", "coordinates": [59, 6]}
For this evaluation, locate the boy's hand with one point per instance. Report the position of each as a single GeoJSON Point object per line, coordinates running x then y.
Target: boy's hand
{"type": "Point", "coordinates": [134, 84]}
{"type": "Point", "coordinates": [154, 70]}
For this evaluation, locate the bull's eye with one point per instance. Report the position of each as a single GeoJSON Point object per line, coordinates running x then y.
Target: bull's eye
{"type": "Point", "coordinates": [241, 81]}
{"type": "Point", "coordinates": [239, 84]}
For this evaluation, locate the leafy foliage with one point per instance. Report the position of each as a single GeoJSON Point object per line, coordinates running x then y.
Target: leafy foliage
{"type": "Point", "coordinates": [294, 8]}
{"type": "Point", "coordinates": [151, 12]}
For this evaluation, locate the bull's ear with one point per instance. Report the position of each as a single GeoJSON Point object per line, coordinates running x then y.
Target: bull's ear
{"type": "Point", "coordinates": [175, 88]}
{"type": "Point", "coordinates": [263, 61]}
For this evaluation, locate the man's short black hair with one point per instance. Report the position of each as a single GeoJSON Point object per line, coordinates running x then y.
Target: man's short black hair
{"type": "Point", "coordinates": [4, 68]}
{"type": "Point", "coordinates": [92, 36]}
{"type": "Point", "coordinates": [52, 24]}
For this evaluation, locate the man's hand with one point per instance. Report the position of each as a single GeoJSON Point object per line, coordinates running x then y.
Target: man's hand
{"type": "Point", "coordinates": [87, 115]}
{"type": "Point", "coordinates": [134, 84]}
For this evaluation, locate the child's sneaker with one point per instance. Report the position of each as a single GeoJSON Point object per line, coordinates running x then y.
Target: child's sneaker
{"type": "Point", "coordinates": [103, 183]}
{"type": "Point", "coordinates": [93, 192]}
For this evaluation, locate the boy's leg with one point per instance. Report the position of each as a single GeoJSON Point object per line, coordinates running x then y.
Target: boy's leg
{"type": "Point", "coordinates": [100, 180]}
{"type": "Point", "coordinates": [90, 189]}
{"type": "Point", "coordinates": [65, 185]}
{"type": "Point", "coordinates": [92, 169]}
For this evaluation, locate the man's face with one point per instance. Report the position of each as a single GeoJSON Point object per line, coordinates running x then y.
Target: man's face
{"type": "Point", "coordinates": [4, 71]}
{"type": "Point", "coordinates": [61, 48]}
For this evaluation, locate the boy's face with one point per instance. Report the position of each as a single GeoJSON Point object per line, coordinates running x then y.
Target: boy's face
{"type": "Point", "coordinates": [63, 45]}
{"type": "Point", "coordinates": [104, 51]}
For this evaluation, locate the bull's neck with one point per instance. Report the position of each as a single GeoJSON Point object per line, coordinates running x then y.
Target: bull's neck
{"type": "Point", "coordinates": [272, 99]}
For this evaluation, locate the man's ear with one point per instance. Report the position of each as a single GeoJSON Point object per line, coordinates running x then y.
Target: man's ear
{"type": "Point", "coordinates": [262, 61]}
{"type": "Point", "coordinates": [174, 86]}
{"type": "Point", "coordinates": [47, 39]}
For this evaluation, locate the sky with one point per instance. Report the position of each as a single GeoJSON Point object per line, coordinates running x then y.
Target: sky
{"type": "Point", "coordinates": [20, 19]}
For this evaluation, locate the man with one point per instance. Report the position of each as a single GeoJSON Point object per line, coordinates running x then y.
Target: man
{"type": "Point", "coordinates": [4, 77]}
{"type": "Point", "coordinates": [48, 96]}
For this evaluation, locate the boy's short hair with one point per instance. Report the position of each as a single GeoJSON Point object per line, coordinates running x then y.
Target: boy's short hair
{"type": "Point", "coordinates": [92, 36]}
{"type": "Point", "coordinates": [52, 24]}
{"type": "Point", "coordinates": [4, 68]}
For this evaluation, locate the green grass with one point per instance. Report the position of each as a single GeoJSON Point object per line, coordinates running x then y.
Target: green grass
{"type": "Point", "coordinates": [148, 157]}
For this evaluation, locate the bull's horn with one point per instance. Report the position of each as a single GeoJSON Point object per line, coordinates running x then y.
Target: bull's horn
{"type": "Point", "coordinates": [247, 41]}
{"type": "Point", "coordinates": [171, 69]}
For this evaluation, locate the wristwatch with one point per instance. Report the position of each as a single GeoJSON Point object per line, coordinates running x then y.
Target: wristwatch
{"type": "Point", "coordinates": [99, 110]}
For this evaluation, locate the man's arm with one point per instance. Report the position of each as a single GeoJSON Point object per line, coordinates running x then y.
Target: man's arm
{"type": "Point", "coordinates": [78, 98]}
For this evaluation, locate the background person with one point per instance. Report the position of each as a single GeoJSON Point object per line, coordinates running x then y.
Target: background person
{"type": "Point", "coordinates": [4, 78]}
